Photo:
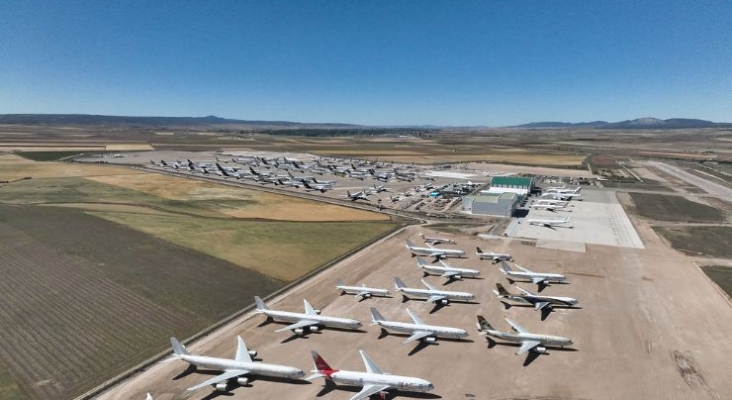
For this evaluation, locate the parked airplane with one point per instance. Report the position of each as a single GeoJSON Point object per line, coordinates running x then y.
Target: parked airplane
{"type": "Point", "coordinates": [432, 294]}
{"type": "Point", "coordinates": [548, 207]}
{"type": "Point", "coordinates": [529, 341]}
{"type": "Point", "coordinates": [417, 330]}
{"type": "Point", "coordinates": [539, 278]}
{"type": "Point", "coordinates": [363, 292]}
{"type": "Point", "coordinates": [436, 240]}
{"type": "Point", "coordinates": [323, 187]}
{"type": "Point", "coordinates": [561, 196]}
{"type": "Point", "coordinates": [290, 182]}
{"type": "Point", "coordinates": [548, 223]}
{"type": "Point", "coordinates": [357, 196]}
{"type": "Point", "coordinates": [445, 270]}
{"type": "Point", "coordinates": [563, 190]}
{"type": "Point", "coordinates": [435, 252]}
{"type": "Point", "coordinates": [489, 255]}
{"type": "Point", "coordinates": [379, 189]}
{"type": "Point", "coordinates": [374, 380]}
{"type": "Point", "coordinates": [148, 397]}
{"type": "Point", "coordinates": [234, 369]}
{"type": "Point", "coordinates": [301, 178]}
{"type": "Point", "coordinates": [321, 182]}
{"type": "Point", "coordinates": [538, 301]}
{"type": "Point", "coordinates": [311, 319]}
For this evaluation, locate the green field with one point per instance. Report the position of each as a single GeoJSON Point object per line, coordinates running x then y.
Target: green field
{"type": "Point", "coordinates": [660, 207]}
{"type": "Point", "coordinates": [712, 241]}
{"type": "Point", "coordinates": [721, 275]}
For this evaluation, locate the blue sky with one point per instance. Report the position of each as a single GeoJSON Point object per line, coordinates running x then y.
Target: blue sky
{"type": "Point", "coordinates": [489, 63]}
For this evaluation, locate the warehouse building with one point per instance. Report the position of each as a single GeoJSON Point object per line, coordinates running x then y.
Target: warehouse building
{"type": "Point", "coordinates": [498, 204]}
{"type": "Point", "coordinates": [510, 184]}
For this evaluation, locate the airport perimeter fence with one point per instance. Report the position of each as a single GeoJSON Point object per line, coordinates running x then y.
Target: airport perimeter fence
{"type": "Point", "coordinates": [98, 390]}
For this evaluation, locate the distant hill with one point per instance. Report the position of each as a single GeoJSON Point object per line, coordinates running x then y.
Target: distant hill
{"type": "Point", "coordinates": [639, 123]}
{"type": "Point", "coordinates": [85, 119]}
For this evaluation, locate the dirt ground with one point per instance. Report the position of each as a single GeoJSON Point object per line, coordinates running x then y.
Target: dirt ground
{"type": "Point", "coordinates": [650, 325]}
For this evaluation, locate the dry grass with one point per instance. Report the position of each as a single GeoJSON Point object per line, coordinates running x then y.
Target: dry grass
{"type": "Point", "coordinates": [496, 157]}
{"type": "Point", "coordinates": [15, 167]}
{"type": "Point", "coordinates": [237, 202]}
{"type": "Point", "coordinates": [108, 207]}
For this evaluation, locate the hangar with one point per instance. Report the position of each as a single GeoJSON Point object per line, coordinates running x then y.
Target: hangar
{"type": "Point", "coordinates": [499, 204]}
{"type": "Point", "coordinates": [511, 184]}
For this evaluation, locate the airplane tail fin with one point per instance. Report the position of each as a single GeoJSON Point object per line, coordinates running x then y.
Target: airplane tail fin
{"type": "Point", "coordinates": [178, 348]}
{"type": "Point", "coordinates": [478, 250]}
{"type": "Point", "coordinates": [409, 244]}
{"type": "Point", "coordinates": [340, 282]}
{"type": "Point", "coordinates": [261, 306]}
{"type": "Point", "coordinates": [320, 364]}
{"type": "Point", "coordinates": [399, 283]}
{"type": "Point", "coordinates": [483, 325]}
{"type": "Point", "coordinates": [421, 263]}
{"type": "Point", "coordinates": [505, 268]}
{"type": "Point", "coordinates": [376, 316]}
{"type": "Point", "coordinates": [501, 290]}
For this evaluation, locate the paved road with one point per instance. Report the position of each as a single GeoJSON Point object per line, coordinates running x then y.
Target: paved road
{"type": "Point", "coordinates": [710, 187]}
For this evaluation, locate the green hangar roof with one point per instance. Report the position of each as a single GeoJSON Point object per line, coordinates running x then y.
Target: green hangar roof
{"type": "Point", "coordinates": [512, 182]}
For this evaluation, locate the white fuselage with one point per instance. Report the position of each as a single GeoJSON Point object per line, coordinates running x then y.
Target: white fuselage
{"type": "Point", "coordinates": [547, 340]}
{"type": "Point", "coordinates": [333, 322]}
{"type": "Point", "coordinates": [363, 289]}
{"type": "Point", "coordinates": [547, 222]}
{"type": "Point", "coordinates": [441, 270]}
{"type": "Point", "coordinates": [257, 368]}
{"type": "Point", "coordinates": [435, 252]}
{"type": "Point", "coordinates": [355, 378]}
{"type": "Point", "coordinates": [427, 293]}
{"type": "Point", "coordinates": [437, 331]}
{"type": "Point", "coordinates": [494, 256]}
{"type": "Point", "coordinates": [554, 300]}
{"type": "Point", "coordinates": [547, 277]}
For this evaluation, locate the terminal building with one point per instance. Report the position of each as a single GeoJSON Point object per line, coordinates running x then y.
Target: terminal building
{"type": "Point", "coordinates": [498, 204]}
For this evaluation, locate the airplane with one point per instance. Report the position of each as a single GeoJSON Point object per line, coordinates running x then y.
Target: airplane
{"type": "Point", "coordinates": [417, 330]}
{"type": "Point", "coordinates": [323, 187]}
{"type": "Point", "coordinates": [435, 252]}
{"type": "Point", "coordinates": [363, 292]}
{"type": "Point", "coordinates": [301, 178]}
{"type": "Point", "coordinates": [381, 175]}
{"type": "Point", "coordinates": [436, 240]}
{"type": "Point", "coordinates": [357, 196]}
{"type": "Point", "coordinates": [379, 189]}
{"type": "Point", "coordinates": [548, 207]}
{"type": "Point", "coordinates": [552, 201]}
{"type": "Point", "coordinates": [148, 397]}
{"type": "Point", "coordinates": [374, 380]}
{"type": "Point", "coordinates": [162, 163]}
{"type": "Point", "coordinates": [290, 182]}
{"type": "Point", "coordinates": [446, 271]}
{"type": "Point", "coordinates": [539, 302]}
{"type": "Point", "coordinates": [489, 255]}
{"type": "Point", "coordinates": [539, 278]}
{"type": "Point", "coordinates": [563, 190]}
{"type": "Point", "coordinates": [432, 294]}
{"type": "Point", "coordinates": [331, 182]}
{"type": "Point", "coordinates": [529, 341]}
{"type": "Point", "coordinates": [561, 196]}
{"type": "Point", "coordinates": [234, 369]}
{"type": "Point", "coordinates": [311, 319]}
{"type": "Point", "coordinates": [547, 223]}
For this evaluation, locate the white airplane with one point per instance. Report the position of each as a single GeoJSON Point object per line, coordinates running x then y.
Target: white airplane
{"type": "Point", "coordinates": [417, 330]}
{"type": "Point", "coordinates": [432, 294]}
{"type": "Point", "coordinates": [234, 369]}
{"type": "Point", "coordinates": [362, 292]}
{"type": "Point", "coordinates": [539, 302]}
{"type": "Point", "coordinates": [561, 196]}
{"type": "Point", "coordinates": [322, 187]}
{"type": "Point", "coordinates": [539, 278]}
{"type": "Point", "coordinates": [148, 397]}
{"type": "Point", "coordinates": [374, 380]}
{"type": "Point", "coordinates": [547, 223]}
{"type": "Point", "coordinates": [489, 255]}
{"type": "Point", "coordinates": [324, 182]}
{"type": "Point", "coordinates": [436, 240]}
{"type": "Point", "coordinates": [301, 178]}
{"type": "Point", "coordinates": [435, 252]}
{"type": "Point", "coordinates": [446, 270]}
{"type": "Point", "coordinates": [529, 341]}
{"type": "Point", "coordinates": [357, 196]}
{"type": "Point", "coordinates": [379, 189]}
{"type": "Point", "coordinates": [311, 319]}
{"type": "Point", "coordinates": [563, 190]}
{"type": "Point", "coordinates": [548, 207]}
{"type": "Point", "coordinates": [552, 201]}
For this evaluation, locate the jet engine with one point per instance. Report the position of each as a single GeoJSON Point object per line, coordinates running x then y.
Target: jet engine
{"type": "Point", "coordinates": [444, 302]}
{"type": "Point", "coordinates": [457, 277]}
{"type": "Point", "coordinates": [299, 331]}
{"type": "Point", "coordinates": [317, 312]}
{"type": "Point", "coordinates": [222, 387]}
{"type": "Point", "coordinates": [314, 328]}
{"type": "Point", "coordinates": [540, 349]}
{"type": "Point", "coordinates": [242, 381]}
{"type": "Point", "coordinates": [429, 339]}
{"type": "Point", "coordinates": [252, 353]}
{"type": "Point", "coordinates": [367, 295]}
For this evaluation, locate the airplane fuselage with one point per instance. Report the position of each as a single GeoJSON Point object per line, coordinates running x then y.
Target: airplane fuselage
{"type": "Point", "coordinates": [529, 276]}
{"type": "Point", "coordinates": [546, 340]}
{"type": "Point", "coordinates": [436, 252]}
{"type": "Point", "coordinates": [333, 322]}
{"type": "Point", "coordinates": [427, 293]}
{"type": "Point", "coordinates": [553, 300]}
{"type": "Point", "coordinates": [437, 270]}
{"type": "Point", "coordinates": [355, 378]}
{"type": "Point", "coordinates": [437, 331]}
{"type": "Point", "coordinates": [362, 289]}
{"type": "Point", "coordinates": [257, 368]}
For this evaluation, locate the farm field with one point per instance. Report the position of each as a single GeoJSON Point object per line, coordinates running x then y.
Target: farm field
{"type": "Point", "coordinates": [712, 241]}
{"type": "Point", "coordinates": [674, 209]}
{"type": "Point", "coordinates": [79, 309]}
{"type": "Point", "coordinates": [721, 275]}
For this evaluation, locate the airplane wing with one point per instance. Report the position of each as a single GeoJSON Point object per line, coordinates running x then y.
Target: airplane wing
{"type": "Point", "coordinates": [540, 305]}
{"type": "Point", "coordinates": [363, 293]}
{"type": "Point", "coordinates": [527, 345]}
{"type": "Point", "coordinates": [418, 335]}
{"type": "Point", "coordinates": [538, 279]}
{"type": "Point", "coordinates": [524, 291]}
{"type": "Point", "coordinates": [371, 366]}
{"type": "Point", "coordinates": [523, 269]}
{"type": "Point", "coordinates": [435, 298]}
{"type": "Point", "coordinates": [450, 274]}
{"type": "Point", "coordinates": [230, 374]}
{"type": "Point", "coordinates": [518, 328]}
{"type": "Point", "coordinates": [417, 320]}
{"type": "Point", "coordinates": [368, 391]}
{"type": "Point", "coordinates": [300, 324]}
